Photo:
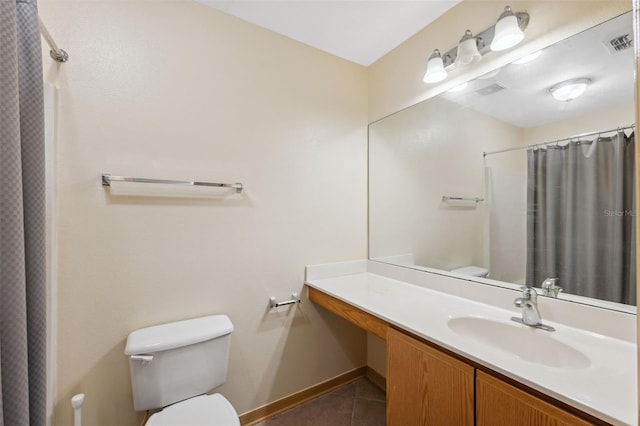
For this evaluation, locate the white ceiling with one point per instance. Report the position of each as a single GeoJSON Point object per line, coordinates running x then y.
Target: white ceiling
{"type": "Point", "coordinates": [361, 31]}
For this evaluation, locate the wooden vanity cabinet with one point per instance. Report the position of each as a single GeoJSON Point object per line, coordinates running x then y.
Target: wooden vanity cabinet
{"type": "Point", "coordinates": [499, 403]}
{"type": "Point", "coordinates": [426, 386]}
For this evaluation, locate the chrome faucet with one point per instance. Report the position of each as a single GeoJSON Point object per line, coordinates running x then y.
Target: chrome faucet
{"type": "Point", "coordinates": [530, 314]}
{"type": "Point", "coordinates": [551, 288]}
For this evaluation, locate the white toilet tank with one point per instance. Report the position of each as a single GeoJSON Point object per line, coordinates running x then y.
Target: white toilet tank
{"type": "Point", "coordinates": [474, 271]}
{"type": "Point", "coordinates": [175, 361]}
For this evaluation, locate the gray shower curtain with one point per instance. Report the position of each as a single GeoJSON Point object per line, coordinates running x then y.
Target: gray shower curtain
{"type": "Point", "coordinates": [22, 218]}
{"type": "Point", "coordinates": [580, 217]}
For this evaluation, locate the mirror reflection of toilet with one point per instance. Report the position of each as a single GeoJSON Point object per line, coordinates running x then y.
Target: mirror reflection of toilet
{"type": "Point", "coordinates": [474, 271]}
{"type": "Point", "coordinates": [173, 366]}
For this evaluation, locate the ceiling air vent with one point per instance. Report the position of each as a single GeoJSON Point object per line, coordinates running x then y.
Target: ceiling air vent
{"type": "Point", "coordinates": [491, 89]}
{"type": "Point", "coordinates": [619, 43]}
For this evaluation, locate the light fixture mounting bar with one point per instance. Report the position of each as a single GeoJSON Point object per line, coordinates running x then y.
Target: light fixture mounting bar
{"type": "Point", "coordinates": [484, 40]}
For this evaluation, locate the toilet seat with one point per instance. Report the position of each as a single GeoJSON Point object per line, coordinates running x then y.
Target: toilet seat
{"type": "Point", "coordinates": [203, 410]}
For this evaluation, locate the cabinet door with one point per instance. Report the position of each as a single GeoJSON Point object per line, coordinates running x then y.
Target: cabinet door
{"type": "Point", "coordinates": [426, 386]}
{"type": "Point", "coordinates": [499, 403]}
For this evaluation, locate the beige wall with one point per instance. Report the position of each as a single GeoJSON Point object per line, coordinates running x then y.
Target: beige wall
{"type": "Point", "coordinates": [173, 89]}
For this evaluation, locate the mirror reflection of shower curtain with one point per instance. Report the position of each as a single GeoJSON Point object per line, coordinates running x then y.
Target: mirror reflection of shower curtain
{"type": "Point", "coordinates": [580, 217]}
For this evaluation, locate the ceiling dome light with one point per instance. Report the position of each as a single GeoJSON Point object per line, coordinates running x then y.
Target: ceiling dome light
{"type": "Point", "coordinates": [528, 58]}
{"type": "Point", "coordinates": [467, 50]}
{"type": "Point", "coordinates": [507, 32]}
{"type": "Point", "coordinates": [435, 68]}
{"type": "Point", "coordinates": [570, 89]}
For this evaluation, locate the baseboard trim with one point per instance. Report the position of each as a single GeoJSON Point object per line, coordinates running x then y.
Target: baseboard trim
{"type": "Point", "coordinates": [283, 404]}
{"type": "Point", "coordinates": [377, 379]}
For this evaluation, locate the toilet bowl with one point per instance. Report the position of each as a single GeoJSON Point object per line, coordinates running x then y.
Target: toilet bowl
{"type": "Point", "coordinates": [174, 365]}
{"type": "Point", "coordinates": [474, 271]}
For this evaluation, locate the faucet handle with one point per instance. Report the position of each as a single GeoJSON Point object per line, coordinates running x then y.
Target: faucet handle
{"type": "Point", "coordinates": [550, 287]}
{"type": "Point", "coordinates": [529, 293]}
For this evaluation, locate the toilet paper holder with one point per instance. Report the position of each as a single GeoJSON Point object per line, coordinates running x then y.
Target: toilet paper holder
{"type": "Point", "coordinates": [275, 304]}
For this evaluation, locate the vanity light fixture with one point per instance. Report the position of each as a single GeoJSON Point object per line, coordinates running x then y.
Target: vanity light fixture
{"type": "Point", "coordinates": [467, 50]}
{"type": "Point", "coordinates": [506, 33]}
{"type": "Point", "coordinates": [528, 58]}
{"type": "Point", "coordinates": [435, 68]}
{"type": "Point", "coordinates": [570, 89]}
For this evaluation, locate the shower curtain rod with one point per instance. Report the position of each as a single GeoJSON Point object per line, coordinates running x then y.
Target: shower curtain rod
{"type": "Point", "coordinates": [56, 53]}
{"type": "Point", "coordinates": [582, 135]}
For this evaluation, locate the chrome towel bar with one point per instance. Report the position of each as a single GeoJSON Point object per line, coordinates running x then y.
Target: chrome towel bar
{"type": "Point", "coordinates": [108, 178]}
{"type": "Point", "coordinates": [446, 198]}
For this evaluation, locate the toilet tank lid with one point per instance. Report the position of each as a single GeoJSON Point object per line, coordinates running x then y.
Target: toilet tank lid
{"type": "Point", "coordinates": [476, 271]}
{"type": "Point", "coordinates": [177, 334]}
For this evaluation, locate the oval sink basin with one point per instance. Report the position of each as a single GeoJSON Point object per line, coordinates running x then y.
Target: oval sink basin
{"type": "Point", "coordinates": [526, 343]}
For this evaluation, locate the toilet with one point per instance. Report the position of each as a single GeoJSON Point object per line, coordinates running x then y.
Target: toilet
{"type": "Point", "coordinates": [474, 271]}
{"type": "Point", "coordinates": [174, 365]}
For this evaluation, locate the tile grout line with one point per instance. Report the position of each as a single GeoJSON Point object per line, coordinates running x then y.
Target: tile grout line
{"type": "Point", "coordinates": [353, 408]}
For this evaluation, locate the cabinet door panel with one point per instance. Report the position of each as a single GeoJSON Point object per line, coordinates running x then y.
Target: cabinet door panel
{"type": "Point", "coordinates": [426, 386]}
{"type": "Point", "coordinates": [499, 403]}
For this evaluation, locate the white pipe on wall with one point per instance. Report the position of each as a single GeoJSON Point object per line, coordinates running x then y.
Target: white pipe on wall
{"type": "Point", "coordinates": [76, 403]}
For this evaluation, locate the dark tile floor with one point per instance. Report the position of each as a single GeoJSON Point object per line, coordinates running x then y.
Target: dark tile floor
{"type": "Point", "coordinates": [359, 403]}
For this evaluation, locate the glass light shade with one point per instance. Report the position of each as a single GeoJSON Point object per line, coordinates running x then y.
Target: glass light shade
{"type": "Point", "coordinates": [467, 51]}
{"type": "Point", "coordinates": [435, 69]}
{"type": "Point", "coordinates": [507, 33]}
{"type": "Point", "coordinates": [570, 89]}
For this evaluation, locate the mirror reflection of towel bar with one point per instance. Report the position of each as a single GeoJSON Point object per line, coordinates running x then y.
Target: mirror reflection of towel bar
{"type": "Point", "coordinates": [446, 198]}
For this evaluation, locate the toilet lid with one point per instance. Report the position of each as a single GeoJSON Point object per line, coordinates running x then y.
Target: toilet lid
{"type": "Point", "coordinates": [203, 410]}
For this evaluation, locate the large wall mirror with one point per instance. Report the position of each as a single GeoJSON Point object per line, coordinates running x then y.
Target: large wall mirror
{"type": "Point", "coordinates": [499, 182]}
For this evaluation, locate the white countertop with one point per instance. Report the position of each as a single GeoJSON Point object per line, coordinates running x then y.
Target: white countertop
{"type": "Point", "coordinates": [606, 388]}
